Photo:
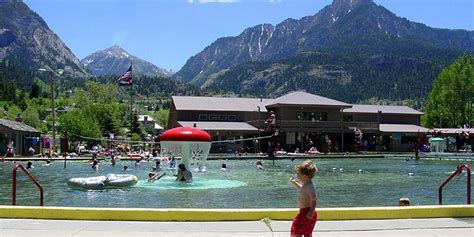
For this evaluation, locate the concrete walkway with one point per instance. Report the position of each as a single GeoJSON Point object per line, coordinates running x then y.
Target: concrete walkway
{"type": "Point", "coordinates": [449, 227]}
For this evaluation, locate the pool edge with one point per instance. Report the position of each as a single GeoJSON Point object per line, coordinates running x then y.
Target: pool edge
{"type": "Point", "coordinates": [149, 214]}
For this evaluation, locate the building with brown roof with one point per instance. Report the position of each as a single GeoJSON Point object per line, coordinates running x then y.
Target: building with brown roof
{"type": "Point", "coordinates": [22, 135]}
{"type": "Point", "coordinates": [301, 120]}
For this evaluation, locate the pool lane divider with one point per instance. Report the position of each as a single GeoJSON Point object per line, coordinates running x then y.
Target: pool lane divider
{"type": "Point", "coordinates": [145, 214]}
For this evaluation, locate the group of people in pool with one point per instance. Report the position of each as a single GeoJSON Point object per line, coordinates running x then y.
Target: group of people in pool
{"type": "Point", "coordinates": [183, 175]}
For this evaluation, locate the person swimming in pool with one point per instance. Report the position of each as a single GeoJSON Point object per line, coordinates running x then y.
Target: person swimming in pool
{"type": "Point", "coordinates": [184, 175]}
{"type": "Point", "coordinates": [152, 177]}
{"type": "Point", "coordinates": [95, 165]}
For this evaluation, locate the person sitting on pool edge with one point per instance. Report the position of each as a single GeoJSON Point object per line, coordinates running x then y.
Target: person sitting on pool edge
{"type": "Point", "coordinates": [184, 175]}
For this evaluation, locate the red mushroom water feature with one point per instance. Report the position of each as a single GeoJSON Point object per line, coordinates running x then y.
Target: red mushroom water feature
{"type": "Point", "coordinates": [186, 142]}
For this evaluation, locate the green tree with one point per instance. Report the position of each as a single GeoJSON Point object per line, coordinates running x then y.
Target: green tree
{"type": "Point", "coordinates": [136, 137]}
{"type": "Point", "coordinates": [136, 126]}
{"type": "Point", "coordinates": [166, 105]}
{"type": "Point", "coordinates": [78, 123]}
{"type": "Point", "coordinates": [102, 93]}
{"type": "Point", "coordinates": [21, 100]}
{"type": "Point", "coordinates": [31, 117]}
{"type": "Point", "coordinates": [451, 101]}
{"type": "Point", "coordinates": [107, 115]}
{"type": "Point", "coordinates": [81, 98]}
{"type": "Point", "coordinates": [13, 112]}
{"type": "Point", "coordinates": [161, 117]}
{"type": "Point", "coordinates": [35, 90]}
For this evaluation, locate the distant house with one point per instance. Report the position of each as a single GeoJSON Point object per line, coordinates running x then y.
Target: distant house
{"type": "Point", "coordinates": [23, 137]}
{"type": "Point", "coordinates": [59, 111]}
{"type": "Point", "coordinates": [149, 123]}
{"type": "Point", "coordinates": [302, 120]}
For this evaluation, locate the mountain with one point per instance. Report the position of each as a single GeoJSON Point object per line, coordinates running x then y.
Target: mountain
{"type": "Point", "coordinates": [115, 61]}
{"type": "Point", "coordinates": [364, 34]}
{"type": "Point", "coordinates": [27, 41]}
{"type": "Point", "coordinates": [349, 79]}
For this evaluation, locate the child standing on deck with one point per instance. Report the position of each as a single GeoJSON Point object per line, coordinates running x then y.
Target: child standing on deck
{"type": "Point", "coordinates": [304, 222]}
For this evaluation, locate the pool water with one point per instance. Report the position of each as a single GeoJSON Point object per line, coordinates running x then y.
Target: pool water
{"type": "Point", "coordinates": [339, 183]}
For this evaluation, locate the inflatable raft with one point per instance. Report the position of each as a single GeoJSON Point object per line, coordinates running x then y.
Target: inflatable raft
{"type": "Point", "coordinates": [104, 182]}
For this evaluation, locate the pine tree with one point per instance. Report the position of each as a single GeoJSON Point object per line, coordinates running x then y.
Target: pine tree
{"type": "Point", "coordinates": [136, 126]}
{"type": "Point", "coordinates": [35, 90]}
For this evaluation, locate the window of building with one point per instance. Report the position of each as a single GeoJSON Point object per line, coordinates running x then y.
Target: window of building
{"type": "Point", "coordinates": [222, 117]}
{"type": "Point", "coordinates": [213, 117]}
{"type": "Point", "coordinates": [315, 116]}
{"type": "Point", "coordinates": [408, 140]}
{"type": "Point", "coordinates": [231, 117]}
{"type": "Point", "coordinates": [203, 117]}
{"type": "Point", "coordinates": [347, 118]}
{"type": "Point", "coordinates": [321, 116]}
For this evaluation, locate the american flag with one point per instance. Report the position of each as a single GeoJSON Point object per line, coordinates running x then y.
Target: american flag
{"type": "Point", "coordinates": [126, 78]}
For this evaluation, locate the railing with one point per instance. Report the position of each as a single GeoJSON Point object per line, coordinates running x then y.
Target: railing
{"type": "Point", "coordinates": [297, 124]}
{"type": "Point", "coordinates": [458, 171]}
{"type": "Point", "coordinates": [31, 178]}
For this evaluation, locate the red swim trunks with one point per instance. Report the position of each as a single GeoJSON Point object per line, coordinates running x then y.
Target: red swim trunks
{"type": "Point", "coordinates": [302, 225]}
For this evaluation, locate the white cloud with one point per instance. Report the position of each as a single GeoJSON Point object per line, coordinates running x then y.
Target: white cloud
{"type": "Point", "coordinates": [275, 1]}
{"type": "Point", "coordinates": [213, 1]}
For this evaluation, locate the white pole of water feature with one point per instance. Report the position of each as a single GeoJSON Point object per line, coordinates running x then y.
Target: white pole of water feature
{"type": "Point", "coordinates": [185, 152]}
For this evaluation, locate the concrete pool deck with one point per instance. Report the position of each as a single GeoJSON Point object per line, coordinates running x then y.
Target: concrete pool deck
{"type": "Point", "coordinates": [449, 227]}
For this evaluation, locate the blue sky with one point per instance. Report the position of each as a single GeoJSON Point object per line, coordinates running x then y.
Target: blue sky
{"type": "Point", "coordinates": [168, 32]}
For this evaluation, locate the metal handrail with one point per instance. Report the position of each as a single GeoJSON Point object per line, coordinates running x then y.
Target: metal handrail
{"type": "Point", "coordinates": [458, 170]}
{"type": "Point", "coordinates": [31, 178]}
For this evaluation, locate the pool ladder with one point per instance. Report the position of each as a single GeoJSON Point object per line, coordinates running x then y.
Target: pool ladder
{"type": "Point", "coordinates": [20, 166]}
{"type": "Point", "coordinates": [459, 169]}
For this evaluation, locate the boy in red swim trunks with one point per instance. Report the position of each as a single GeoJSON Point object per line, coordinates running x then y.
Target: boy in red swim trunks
{"type": "Point", "coordinates": [304, 222]}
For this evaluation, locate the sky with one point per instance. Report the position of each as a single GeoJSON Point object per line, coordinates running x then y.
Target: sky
{"type": "Point", "coordinates": [168, 32]}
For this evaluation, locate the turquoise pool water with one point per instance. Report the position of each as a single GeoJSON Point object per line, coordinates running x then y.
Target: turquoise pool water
{"type": "Point", "coordinates": [382, 183]}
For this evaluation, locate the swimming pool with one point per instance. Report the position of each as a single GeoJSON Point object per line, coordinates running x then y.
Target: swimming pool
{"type": "Point", "coordinates": [339, 184]}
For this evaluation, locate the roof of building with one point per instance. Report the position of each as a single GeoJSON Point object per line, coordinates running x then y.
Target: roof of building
{"type": "Point", "coordinates": [300, 98]}
{"type": "Point", "coordinates": [402, 128]}
{"type": "Point", "coordinates": [385, 109]}
{"type": "Point", "coordinates": [220, 103]}
{"type": "Point", "coordinates": [219, 126]}
{"type": "Point", "coordinates": [141, 118]}
{"type": "Point", "coordinates": [18, 126]}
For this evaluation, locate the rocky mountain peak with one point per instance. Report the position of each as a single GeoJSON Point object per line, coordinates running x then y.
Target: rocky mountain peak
{"type": "Point", "coordinates": [349, 3]}
{"type": "Point", "coordinates": [359, 26]}
{"type": "Point", "coordinates": [27, 41]}
{"type": "Point", "coordinates": [115, 49]}
{"type": "Point", "coordinates": [115, 60]}
{"type": "Point", "coordinates": [339, 8]}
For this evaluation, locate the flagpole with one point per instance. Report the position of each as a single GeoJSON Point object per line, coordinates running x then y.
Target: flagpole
{"type": "Point", "coordinates": [131, 104]}
{"type": "Point", "coordinates": [126, 79]}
